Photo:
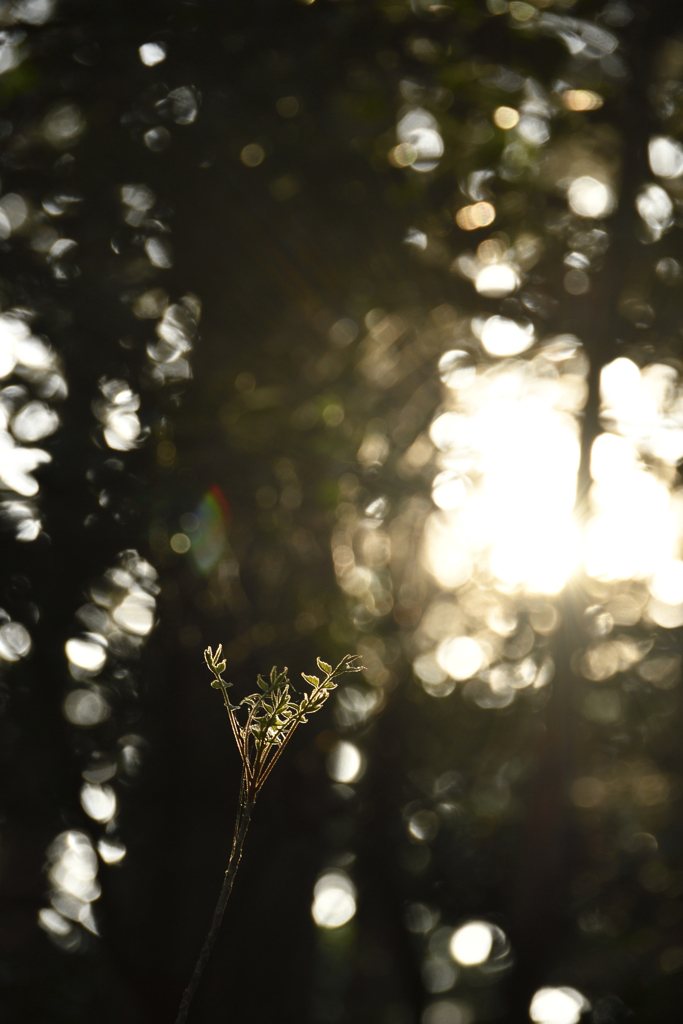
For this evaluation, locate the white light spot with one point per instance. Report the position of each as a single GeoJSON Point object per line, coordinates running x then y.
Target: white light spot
{"type": "Point", "coordinates": [9, 57]}
{"type": "Point", "coordinates": [454, 369]}
{"type": "Point", "coordinates": [557, 1006]}
{"type": "Point", "coordinates": [87, 655]}
{"type": "Point", "coordinates": [666, 615]}
{"type": "Point", "coordinates": [138, 197]}
{"type": "Point", "coordinates": [157, 139]}
{"type": "Point", "coordinates": [428, 670]}
{"type": "Point", "coordinates": [159, 253]}
{"type": "Point", "coordinates": [17, 464]}
{"type": "Point", "coordinates": [533, 129]}
{"type": "Point", "coordinates": [345, 763]}
{"type": "Point", "coordinates": [117, 412]}
{"type": "Point", "coordinates": [497, 280]}
{"type": "Point", "coordinates": [424, 825]}
{"type": "Point", "coordinates": [449, 492]}
{"type": "Point", "coordinates": [111, 851]}
{"type": "Point", "coordinates": [15, 210]}
{"type": "Point", "coordinates": [51, 921]}
{"type": "Point", "coordinates": [63, 125]}
{"type": "Point", "coordinates": [503, 337]}
{"type": "Point", "coordinates": [86, 707]}
{"type": "Point", "coordinates": [666, 157]}
{"type": "Point", "coordinates": [98, 802]}
{"type": "Point", "coordinates": [31, 352]}
{"type": "Point", "coordinates": [334, 900]}
{"type": "Point", "coordinates": [619, 381]}
{"type": "Point", "coordinates": [472, 943]}
{"type": "Point", "coordinates": [461, 657]}
{"type": "Point", "coordinates": [667, 584]}
{"type": "Point", "coordinates": [135, 614]}
{"type": "Point", "coordinates": [416, 237]}
{"type": "Point", "coordinates": [152, 53]}
{"type": "Point", "coordinates": [122, 430]}
{"type": "Point", "coordinates": [449, 562]}
{"type": "Point", "coordinates": [184, 105]}
{"type": "Point", "coordinates": [590, 198]}
{"type": "Point", "coordinates": [655, 207]}
{"type": "Point", "coordinates": [33, 12]}
{"type": "Point", "coordinates": [418, 129]}
{"type": "Point", "coordinates": [15, 641]}
{"type": "Point", "coordinates": [35, 421]}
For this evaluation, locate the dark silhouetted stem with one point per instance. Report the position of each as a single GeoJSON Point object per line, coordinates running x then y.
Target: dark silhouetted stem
{"type": "Point", "coordinates": [241, 826]}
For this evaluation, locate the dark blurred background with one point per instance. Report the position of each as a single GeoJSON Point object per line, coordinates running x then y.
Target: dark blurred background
{"type": "Point", "coordinates": [304, 310]}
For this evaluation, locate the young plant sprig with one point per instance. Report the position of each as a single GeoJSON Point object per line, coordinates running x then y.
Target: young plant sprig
{"type": "Point", "coordinates": [270, 719]}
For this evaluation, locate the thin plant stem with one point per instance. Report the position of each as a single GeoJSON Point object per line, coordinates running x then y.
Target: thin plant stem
{"type": "Point", "coordinates": [268, 768]}
{"type": "Point", "coordinates": [271, 721]}
{"type": "Point", "coordinates": [241, 826]}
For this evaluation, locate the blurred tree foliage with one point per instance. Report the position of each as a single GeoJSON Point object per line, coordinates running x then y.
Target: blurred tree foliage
{"type": "Point", "coordinates": [245, 280]}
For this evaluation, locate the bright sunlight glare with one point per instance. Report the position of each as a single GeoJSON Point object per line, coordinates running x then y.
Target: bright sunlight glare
{"type": "Point", "coordinates": [509, 456]}
{"type": "Point", "coordinates": [634, 531]}
{"type": "Point", "coordinates": [502, 536]}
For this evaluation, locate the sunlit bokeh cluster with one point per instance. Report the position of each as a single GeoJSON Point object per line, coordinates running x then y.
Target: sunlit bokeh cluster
{"type": "Point", "coordinates": [503, 533]}
{"type": "Point", "coordinates": [361, 553]}
{"type": "Point", "coordinates": [151, 122]}
{"type": "Point", "coordinates": [117, 411]}
{"type": "Point", "coordinates": [177, 323]}
{"type": "Point", "coordinates": [656, 202]}
{"type": "Point", "coordinates": [420, 144]}
{"type": "Point", "coordinates": [176, 332]}
{"type": "Point", "coordinates": [361, 547]}
{"type": "Point", "coordinates": [33, 380]}
{"type": "Point", "coordinates": [13, 47]}
{"type": "Point", "coordinates": [635, 531]}
{"type": "Point", "coordinates": [117, 620]}
{"type": "Point", "coordinates": [74, 888]}
{"type": "Point", "coordinates": [508, 456]}
{"type": "Point", "coordinates": [168, 353]}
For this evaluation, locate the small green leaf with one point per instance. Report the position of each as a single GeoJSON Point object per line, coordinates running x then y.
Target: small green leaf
{"type": "Point", "coordinates": [312, 680]}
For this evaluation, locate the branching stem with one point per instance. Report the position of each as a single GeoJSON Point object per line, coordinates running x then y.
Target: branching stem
{"type": "Point", "coordinates": [271, 721]}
